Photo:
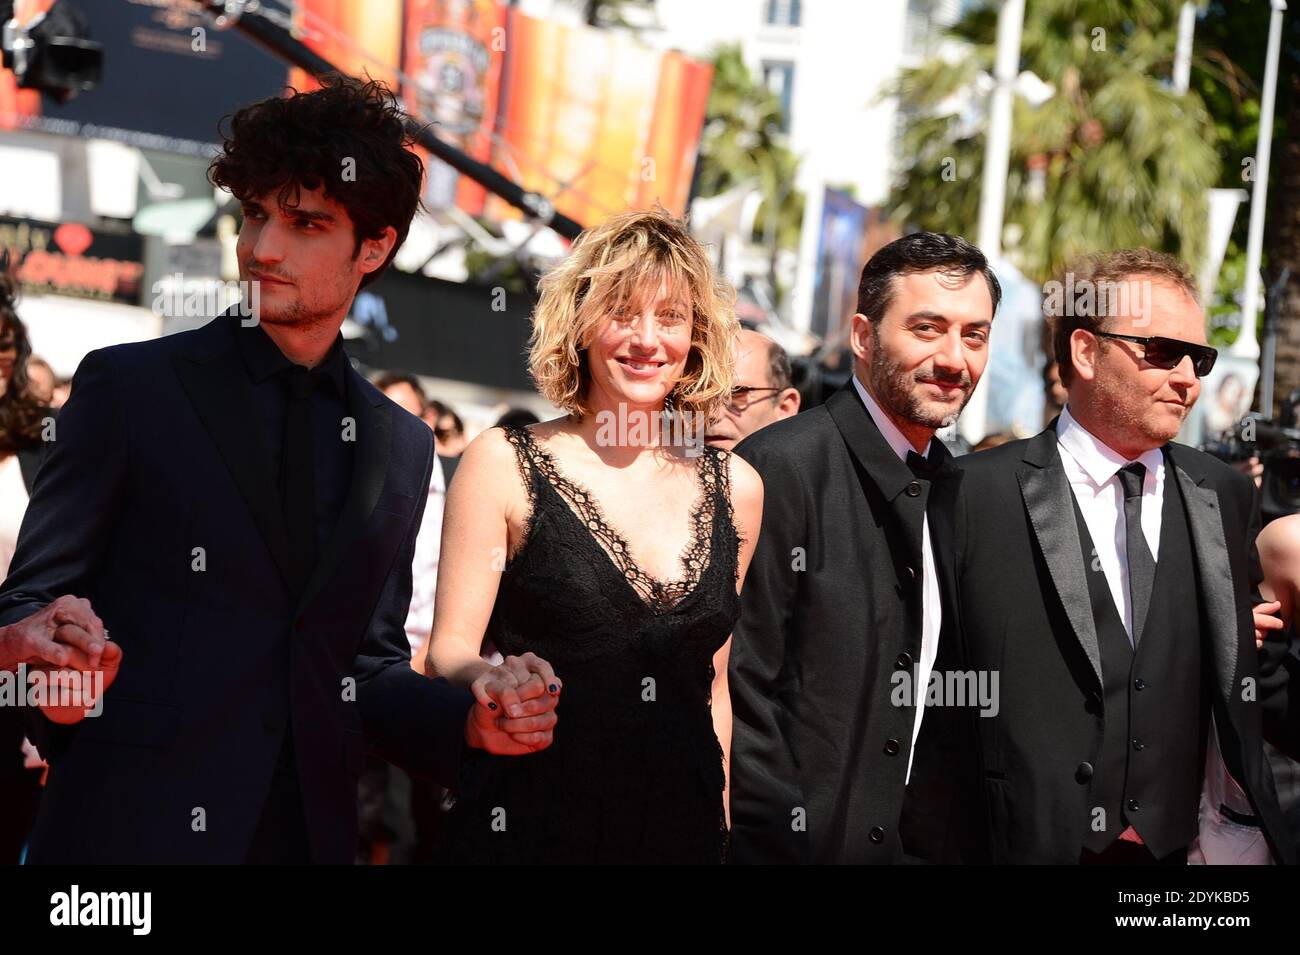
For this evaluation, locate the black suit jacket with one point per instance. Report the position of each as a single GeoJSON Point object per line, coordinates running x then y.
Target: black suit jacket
{"type": "Point", "coordinates": [157, 503]}
{"type": "Point", "coordinates": [1026, 614]}
{"type": "Point", "coordinates": [830, 613]}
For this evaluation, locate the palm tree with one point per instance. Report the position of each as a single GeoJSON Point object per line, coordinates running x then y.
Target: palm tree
{"type": "Point", "coordinates": [744, 140]}
{"type": "Point", "coordinates": [1112, 158]}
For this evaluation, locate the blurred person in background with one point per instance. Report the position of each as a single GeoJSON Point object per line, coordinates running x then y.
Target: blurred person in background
{"type": "Point", "coordinates": [42, 381]}
{"type": "Point", "coordinates": [407, 392]}
{"type": "Point", "coordinates": [448, 429]}
{"type": "Point", "coordinates": [62, 391]}
{"type": "Point", "coordinates": [764, 391]}
{"type": "Point", "coordinates": [1054, 394]}
{"type": "Point", "coordinates": [615, 548]}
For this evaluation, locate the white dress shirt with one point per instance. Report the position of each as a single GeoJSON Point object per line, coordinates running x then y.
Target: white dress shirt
{"type": "Point", "coordinates": [424, 566]}
{"type": "Point", "coordinates": [1092, 469]}
{"type": "Point", "coordinates": [931, 607]}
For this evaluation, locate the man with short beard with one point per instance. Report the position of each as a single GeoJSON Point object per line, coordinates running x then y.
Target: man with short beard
{"type": "Point", "coordinates": [1108, 576]}
{"type": "Point", "coordinates": [848, 608]}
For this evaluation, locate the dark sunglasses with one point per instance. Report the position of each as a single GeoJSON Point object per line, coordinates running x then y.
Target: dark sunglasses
{"type": "Point", "coordinates": [1167, 353]}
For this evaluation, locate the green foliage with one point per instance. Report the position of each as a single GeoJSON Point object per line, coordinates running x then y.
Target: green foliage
{"type": "Point", "coordinates": [1113, 159]}
{"type": "Point", "coordinates": [743, 140]}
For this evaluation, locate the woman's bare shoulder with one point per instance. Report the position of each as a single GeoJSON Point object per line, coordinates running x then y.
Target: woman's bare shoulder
{"type": "Point", "coordinates": [746, 488]}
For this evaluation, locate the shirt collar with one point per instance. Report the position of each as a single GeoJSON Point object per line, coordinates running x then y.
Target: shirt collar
{"type": "Point", "coordinates": [888, 429]}
{"type": "Point", "coordinates": [1097, 460]}
{"type": "Point", "coordinates": [264, 359]}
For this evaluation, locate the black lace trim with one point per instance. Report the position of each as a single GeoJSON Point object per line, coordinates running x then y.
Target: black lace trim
{"type": "Point", "coordinates": [724, 459]}
{"type": "Point", "coordinates": [656, 594]}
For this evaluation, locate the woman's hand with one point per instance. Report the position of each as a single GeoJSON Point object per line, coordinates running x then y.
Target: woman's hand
{"type": "Point", "coordinates": [514, 708]}
{"type": "Point", "coordinates": [1266, 620]}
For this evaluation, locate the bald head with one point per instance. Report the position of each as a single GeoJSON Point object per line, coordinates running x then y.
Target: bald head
{"type": "Point", "coordinates": [762, 393]}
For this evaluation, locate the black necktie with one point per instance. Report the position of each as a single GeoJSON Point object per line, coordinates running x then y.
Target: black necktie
{"type": "Point", "coordinates": [922, 466]}
{"type": "Point", "coordinates": [298, 482]}
{"type": "Point", "coordinates": [1141, 565]}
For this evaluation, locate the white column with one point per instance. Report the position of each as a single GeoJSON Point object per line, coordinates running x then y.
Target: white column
{"type": "Point", "coordinates": [993, 190]}
{"type": "Point", "coordinates": [1247, 343]}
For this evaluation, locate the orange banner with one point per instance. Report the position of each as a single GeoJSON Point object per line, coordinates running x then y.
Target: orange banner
{"type": "Point", "coordinates": [454, 53]}
{"type": "Point", "coordinates": [356, 37]}
{"type": "Point", "coordinates": [596, 121]}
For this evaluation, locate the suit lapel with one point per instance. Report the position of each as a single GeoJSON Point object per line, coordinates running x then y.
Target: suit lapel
{"type": "Point", "coordinates": [867, 444]}
{"type": "Point", "coordinates": [879, 462]}
{"type": "Point", "coordinates": [374, 432]}
{"type": "Point", "coordinates": [1047, 496]}
{"type": "Point", "coordinates": [1213, 567]}
{"type": "Point", "coordinates": [217, 384]}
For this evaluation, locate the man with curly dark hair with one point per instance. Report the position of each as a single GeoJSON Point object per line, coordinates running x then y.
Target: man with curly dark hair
{"type": "Point", "coordinates": [332, 164]}
{"type": "Point", "coordinates": [240, 508]}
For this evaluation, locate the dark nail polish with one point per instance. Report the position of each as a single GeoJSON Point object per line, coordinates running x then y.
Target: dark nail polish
{"type": "Point", "coordinates": [491, 705]}
{"type": "Point", "coordinates": [554, 688]}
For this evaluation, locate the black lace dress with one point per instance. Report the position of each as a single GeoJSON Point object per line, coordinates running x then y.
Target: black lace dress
{"type": "Point", "coordinates": [635, 770]}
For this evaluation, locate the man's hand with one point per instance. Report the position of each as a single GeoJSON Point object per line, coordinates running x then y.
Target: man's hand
{"type": "Point", "coordinates": [514, 708]}
{"type": "Point", "coordinates": [1267, 621]}
{"type": "Point", "coordinates": [67, 643]}
{"type": "Point", "coordinates": [79, 692]}
{"type": "Point", "coordinates": [66, 634]}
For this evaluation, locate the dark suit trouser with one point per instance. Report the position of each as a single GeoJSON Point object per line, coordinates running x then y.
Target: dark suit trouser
{"type": "Point", "coordinates": [20, 794]}
{"type": "Point", "coordinates": [281, 836]}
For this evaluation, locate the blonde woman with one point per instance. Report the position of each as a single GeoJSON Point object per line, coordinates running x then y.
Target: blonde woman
{"type": "Point", "coordinates": [611, 542]}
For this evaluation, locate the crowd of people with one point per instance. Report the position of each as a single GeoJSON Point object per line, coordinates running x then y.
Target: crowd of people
{"type": "Point", "coordinates": [686, 621]}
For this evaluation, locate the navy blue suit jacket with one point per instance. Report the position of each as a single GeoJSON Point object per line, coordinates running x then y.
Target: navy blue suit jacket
{"type": "Point", "coordinates": [157, 503]}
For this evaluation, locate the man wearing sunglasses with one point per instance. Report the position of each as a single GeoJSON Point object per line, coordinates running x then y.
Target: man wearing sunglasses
{"type": "Point", "coordinates": [763, 393]}
{"type": "Point", "coordinates": [1107, 575]}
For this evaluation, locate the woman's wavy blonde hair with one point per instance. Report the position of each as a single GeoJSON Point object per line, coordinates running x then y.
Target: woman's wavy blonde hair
{"type": "Point", "coordinates": [617, 264]}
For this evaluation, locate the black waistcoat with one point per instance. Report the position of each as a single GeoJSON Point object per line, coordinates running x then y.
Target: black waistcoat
{"type": "Point", "coordinates": [1155, 700]}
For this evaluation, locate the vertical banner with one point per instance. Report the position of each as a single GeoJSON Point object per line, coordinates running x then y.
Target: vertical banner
{"type": "Point", "coordinates": [841, 253]}
{"type": "Point", "coordinates": [358, 38]}
{"type": "Point", "coordinates": [674, 140]}
{"type": "Point", "coordinates": [597, 121]}
{"type": "Point", "coordinates": [454, 52]}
